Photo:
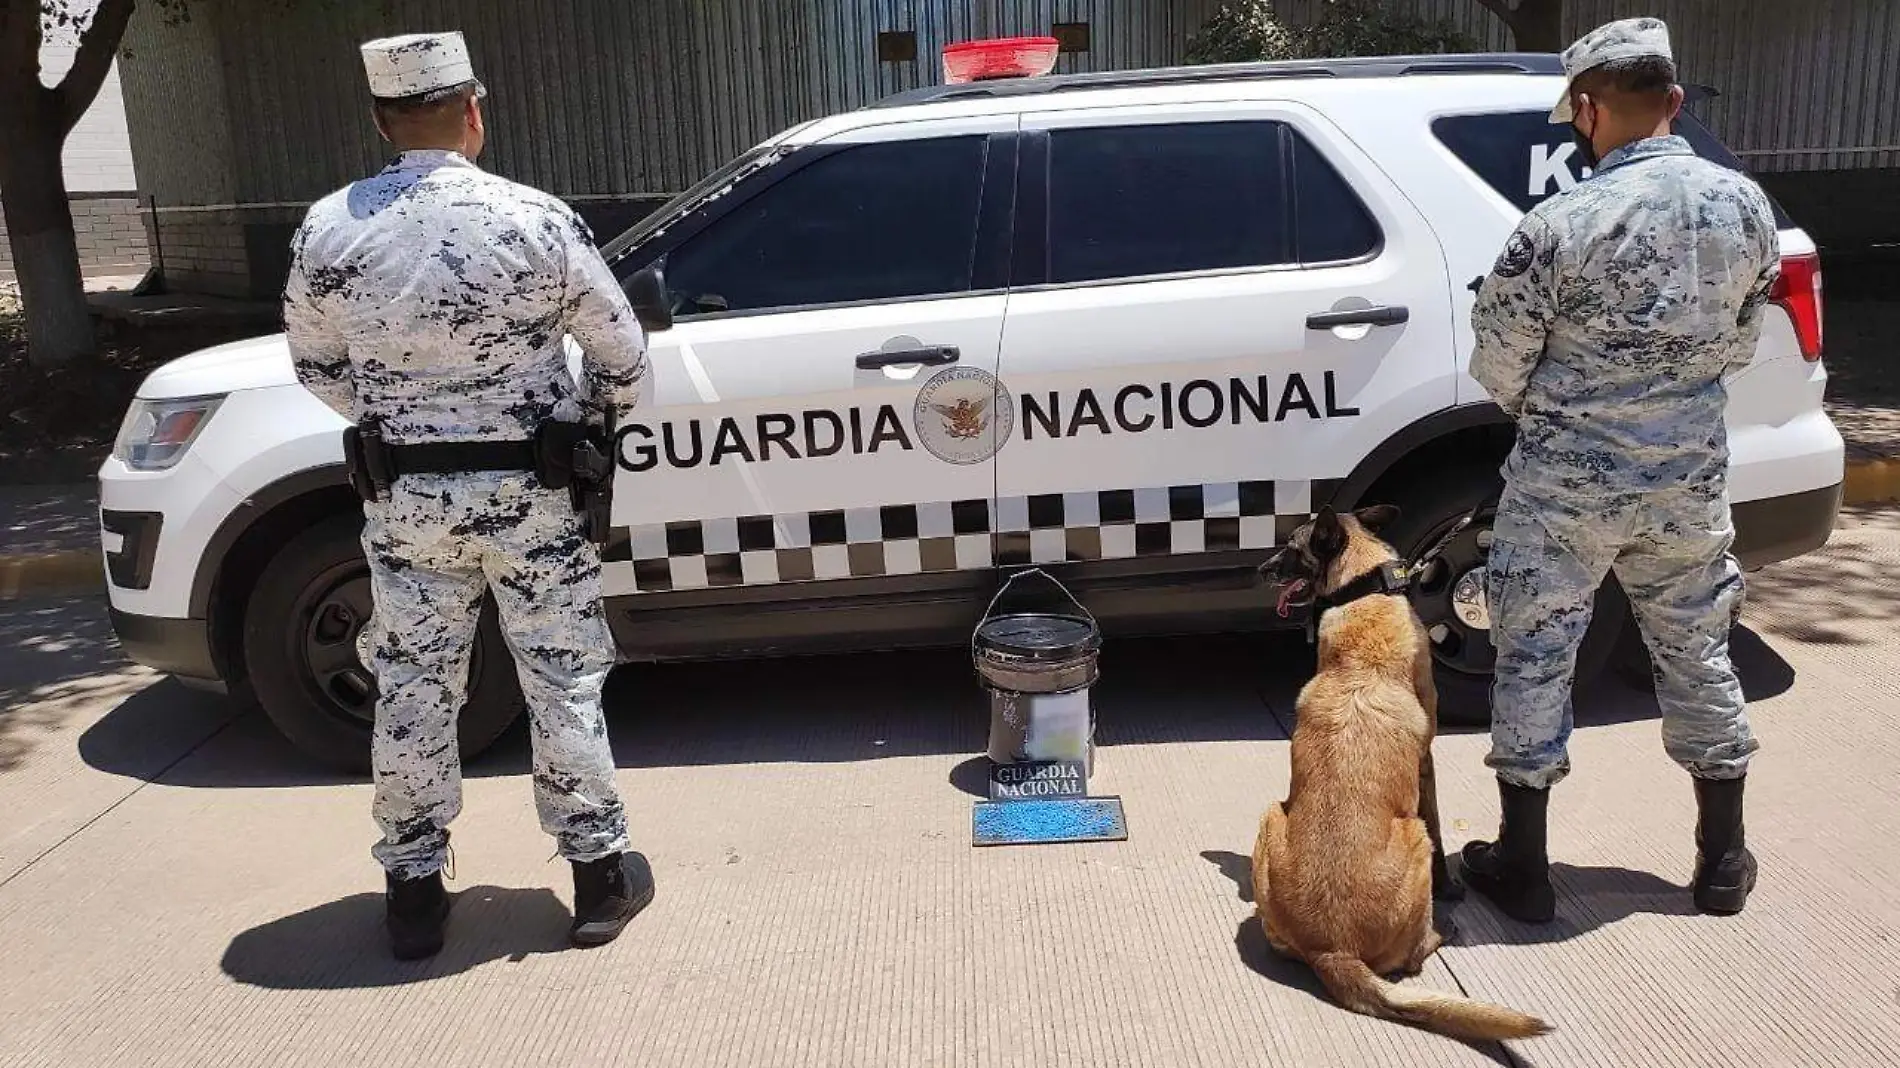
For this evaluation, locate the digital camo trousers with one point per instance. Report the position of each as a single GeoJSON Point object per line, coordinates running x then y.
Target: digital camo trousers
{"type": "Point", "coordinates": [434, 546]}
{"type": "Point", "coordinates": [1670, 551]}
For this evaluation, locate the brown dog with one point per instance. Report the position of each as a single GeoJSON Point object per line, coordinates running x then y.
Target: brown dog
{"type": "Point", "coordinates": [1344, 869]}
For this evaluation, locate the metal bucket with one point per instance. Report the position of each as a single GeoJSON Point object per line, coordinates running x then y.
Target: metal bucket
{"type": "Point", "coordinates": [1037, 667]}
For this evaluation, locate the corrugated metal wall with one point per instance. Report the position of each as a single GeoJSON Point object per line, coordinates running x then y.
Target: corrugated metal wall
{"type": "Point", "coordinates": [171, 80]}
{"type": "Point", "coordinates": [1805, 86]}
{"type": "Point", "coordinates": [264, 103]}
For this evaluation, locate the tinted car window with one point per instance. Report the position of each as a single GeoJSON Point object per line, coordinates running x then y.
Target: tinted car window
{"type": "Point", "coordinates": [1330, 222]}
{"type": "Point", "coordinates": [1528, 159]}
{"type": "Point", "coordinates": [871, 222]}
{"type": "Point", "coordinates": [1131, 201]}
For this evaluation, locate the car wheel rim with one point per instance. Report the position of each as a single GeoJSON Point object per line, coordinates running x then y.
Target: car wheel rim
{"type": "Point", "coordinates": [1449, 597]}
{"type": "Point", "coordinates": [336, 608]}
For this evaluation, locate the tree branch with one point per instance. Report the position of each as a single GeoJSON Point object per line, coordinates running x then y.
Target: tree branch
{"type": "Point", "coordinates": [93, 60]}
{"type": "Point", "coordinates": [19, 45]}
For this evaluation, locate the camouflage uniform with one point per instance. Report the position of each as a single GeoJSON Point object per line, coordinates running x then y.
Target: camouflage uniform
{"type": "Point", "coordinates": [435, 296]}
{"type": "Point", "coordinates": [1606, 329]}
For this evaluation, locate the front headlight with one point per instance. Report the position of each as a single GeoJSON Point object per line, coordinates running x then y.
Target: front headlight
{"type": "Point", "coordinates": [156, 433]}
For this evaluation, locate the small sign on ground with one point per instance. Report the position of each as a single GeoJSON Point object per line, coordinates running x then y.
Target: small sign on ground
{"type": "Point", "coordinates": [1034, 779]}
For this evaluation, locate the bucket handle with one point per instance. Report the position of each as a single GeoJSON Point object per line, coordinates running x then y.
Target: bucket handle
{"type": "Point", "coordinates": [1004, 588]}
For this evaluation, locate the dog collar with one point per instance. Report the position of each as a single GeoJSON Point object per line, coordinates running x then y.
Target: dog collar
{"type": "Point", "coordinates": [1392, 578]}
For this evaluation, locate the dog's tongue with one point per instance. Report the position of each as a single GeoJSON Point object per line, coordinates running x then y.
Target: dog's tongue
{"type": "Point", "coordinates": [1291, 590]}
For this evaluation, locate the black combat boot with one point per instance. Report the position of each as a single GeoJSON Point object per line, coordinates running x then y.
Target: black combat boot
{"type": "Point", "coordinates": [608, 893]}
{"type": "Point", "coordinates": [416, 912]}
{"type": "Point", "coordinates": [1724, 868]}
{"type": "Point", "coordinates": [1514, 872]}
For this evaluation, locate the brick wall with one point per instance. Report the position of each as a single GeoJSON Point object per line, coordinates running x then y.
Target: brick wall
{"type": "Point", "coordinates": [110, 231]}
{"type": "Point", "coordinates": [204, 252]}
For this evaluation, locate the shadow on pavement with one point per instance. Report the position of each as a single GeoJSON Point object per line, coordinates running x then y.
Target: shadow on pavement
{"type": "Point", "coordinates": [342, 945]}
{"type": "Point", "coordinates": [803, 710]}
{"type": "Point", "coordinates": [1235, 867]}
{"type": "Point", "coordinates": [1845, 594]}
{"type": "Point", "coordinates": [1587, 898]}
{"type": "Point", "coordinates": [47, 519]}
{"type": "Point", "coordinates": [837, 709]}
{"type": "Point", "coordinates": [972, 776]}
{"type": "Point", "coordinates": [57, 655]}
{"type": "Point", "coordinates": [247, 752]}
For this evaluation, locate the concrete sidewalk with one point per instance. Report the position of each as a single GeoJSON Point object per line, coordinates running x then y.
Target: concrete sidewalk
{"type": "Point", "coordinates": [178, 888]}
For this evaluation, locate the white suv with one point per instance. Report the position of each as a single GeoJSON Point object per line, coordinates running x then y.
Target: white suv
{"type": "Point", "coordinates": [1135, 326]}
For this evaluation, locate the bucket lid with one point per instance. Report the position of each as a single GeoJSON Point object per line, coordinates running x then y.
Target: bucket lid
{"type": "Point", "coordinates": [1038, 636]}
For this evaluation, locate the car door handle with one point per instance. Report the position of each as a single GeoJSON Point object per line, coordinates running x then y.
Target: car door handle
{"type": "Point", "coordinates": [1378, 315]}
{"type": "Point", "coordinates": [929, 356]}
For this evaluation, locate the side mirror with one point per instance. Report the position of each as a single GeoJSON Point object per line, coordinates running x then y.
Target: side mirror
{"type": "Point", "coordinates": [646, 291]}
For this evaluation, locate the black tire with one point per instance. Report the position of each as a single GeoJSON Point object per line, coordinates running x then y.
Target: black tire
{"type": "Point", "coordinates": [300, 630]}
{"type": "Point", "coordinates": [1462, 654]}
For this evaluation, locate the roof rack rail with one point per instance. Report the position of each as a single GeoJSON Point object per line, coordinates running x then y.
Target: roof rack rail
{"type": "Point", "coordinates": [1363, 67]}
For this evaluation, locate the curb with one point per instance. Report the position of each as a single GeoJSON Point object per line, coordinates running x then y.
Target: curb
{"type": "Point", "coordinates": [1871, 481]}
{"type": "Point", "coordinates": [70, 572]}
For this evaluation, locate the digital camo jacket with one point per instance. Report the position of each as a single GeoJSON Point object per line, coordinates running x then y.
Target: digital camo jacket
{"type": "Point", "coordinates": [1613, 315]}
{"type": "Point", "coordinates": [435, 295]}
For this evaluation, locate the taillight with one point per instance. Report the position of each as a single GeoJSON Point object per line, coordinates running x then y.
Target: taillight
{"type": "Point", "coordinates": [1798, 291]}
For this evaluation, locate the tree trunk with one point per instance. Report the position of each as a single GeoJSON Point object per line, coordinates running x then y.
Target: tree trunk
{"type": "Point", "coordinates": [59, 327]}
{"type": "Point", "coordinates": [1538, 26]}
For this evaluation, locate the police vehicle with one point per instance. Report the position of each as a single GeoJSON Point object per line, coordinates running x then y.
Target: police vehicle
{"type": "Point", "coordinates": [1131, 326]}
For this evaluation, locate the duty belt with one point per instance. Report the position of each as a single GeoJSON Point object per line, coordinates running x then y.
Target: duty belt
{"type": "Point", "coordinates": [454, 457]}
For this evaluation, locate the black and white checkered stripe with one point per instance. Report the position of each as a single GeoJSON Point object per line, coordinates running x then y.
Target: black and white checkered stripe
{"type": "Point", "coordinates": [913, 539]}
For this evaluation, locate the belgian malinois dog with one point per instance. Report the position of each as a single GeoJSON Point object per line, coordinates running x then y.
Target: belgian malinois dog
{"type": "Point", "coordinates": [1345, 869]}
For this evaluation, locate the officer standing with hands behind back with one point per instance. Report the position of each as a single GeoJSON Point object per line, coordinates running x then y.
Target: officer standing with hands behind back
{"type": "Point", "coordinates": [1605, 330]}
{"type": "Point", "coordinates": [427, 305]}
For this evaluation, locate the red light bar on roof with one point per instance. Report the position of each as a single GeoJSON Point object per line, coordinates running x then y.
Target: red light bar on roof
{"type": "Point", "coordinates": [1001, 57]}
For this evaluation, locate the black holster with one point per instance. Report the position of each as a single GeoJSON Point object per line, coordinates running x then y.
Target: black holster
{"type": "Point", "coordinates": [577, 458]}
{"type": "Point", "coordinates": [366, 458]}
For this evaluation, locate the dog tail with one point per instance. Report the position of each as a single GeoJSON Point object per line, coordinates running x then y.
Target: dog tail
{"type": "Point", "coordinates": [1357, 988]}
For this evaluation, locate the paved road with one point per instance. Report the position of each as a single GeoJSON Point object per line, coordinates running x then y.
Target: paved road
{"type": "Point", "coordinates": [176, 887]}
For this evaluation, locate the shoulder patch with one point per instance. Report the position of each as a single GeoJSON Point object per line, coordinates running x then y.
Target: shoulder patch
{"type": "Point", "coordinates": [1516, 257]}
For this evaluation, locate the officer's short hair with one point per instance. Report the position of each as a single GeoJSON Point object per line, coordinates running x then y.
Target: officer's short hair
{"type": "Point", "coordinates": [424, 111]}
{"type": "Point", "coordinates": [422, 105]}
{"type": "Point", "coordinates": [1637, 78]}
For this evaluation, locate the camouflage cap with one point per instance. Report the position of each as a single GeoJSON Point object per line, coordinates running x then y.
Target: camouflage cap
{"type": "Point", "coordinates": [427, 66]}
{"type": "Point", "coordinates": [1622, 39]}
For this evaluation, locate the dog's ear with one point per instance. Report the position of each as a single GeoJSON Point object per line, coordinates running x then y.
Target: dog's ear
{"type": "Point", "coordinates": [1376, 517]}
{"type": "Point", "coordinates": [1329, 535]}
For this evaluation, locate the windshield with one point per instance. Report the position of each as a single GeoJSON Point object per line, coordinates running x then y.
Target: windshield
{"type": "Point", "coordinates": [738, 168]}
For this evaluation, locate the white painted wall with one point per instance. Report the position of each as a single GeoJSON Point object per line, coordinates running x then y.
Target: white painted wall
{"type": "Point", "coordinates": [99, 152]}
